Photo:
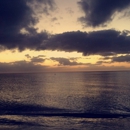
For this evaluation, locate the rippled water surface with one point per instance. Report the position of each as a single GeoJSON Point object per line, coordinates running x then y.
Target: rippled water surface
{"type": "Point", "coordinates": [67, 101]}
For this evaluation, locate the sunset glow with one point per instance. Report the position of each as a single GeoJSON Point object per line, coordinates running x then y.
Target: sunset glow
{"type": "Point", "coordinates": [62, 34]}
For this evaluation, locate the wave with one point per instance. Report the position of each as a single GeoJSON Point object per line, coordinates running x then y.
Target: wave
{"type": "Point", "coordinates": [4, 121]}
{"type": "Point", "coordinates": [82, 115]}
{"type": "Point", "coordinates": [14, 108]}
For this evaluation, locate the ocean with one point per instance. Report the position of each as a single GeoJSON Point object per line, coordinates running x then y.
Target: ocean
{"type": "Point", "coordinates": [65, 101]}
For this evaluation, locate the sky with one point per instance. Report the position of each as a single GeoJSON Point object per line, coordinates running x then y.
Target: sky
{"type": "Point", "coordinates": [64, 35]}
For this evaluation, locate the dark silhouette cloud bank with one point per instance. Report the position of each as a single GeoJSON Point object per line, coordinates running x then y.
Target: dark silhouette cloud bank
{"type": "Point", "coordinates": [96, 42]}
{"type": "Point", "coordinates": [99, 12]}
{"type": "Point", "coordinates": [18, 18]}
{"type": "Point", "coordinates": [17, 21]}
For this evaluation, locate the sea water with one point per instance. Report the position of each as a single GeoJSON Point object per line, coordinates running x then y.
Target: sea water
{"type": "Point", "coordinates": [65, 101]}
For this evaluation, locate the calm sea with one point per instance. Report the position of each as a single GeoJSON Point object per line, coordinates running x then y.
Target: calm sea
{"type": "Point", "coordinates": [65, 101]}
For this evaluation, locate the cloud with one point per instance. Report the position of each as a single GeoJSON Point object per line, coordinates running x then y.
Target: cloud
{"type": "Point", "coordinates": [38, 59]}
{"type": "Point", "coordinates": [69, 11]}
{"type": "Point", "coordinates": [106, 58]}
{"type": "Point", "coordinates": [99, 67]}
{"type": "Point", "coordinates": [115, 58]}
{"type": "Point", "coordinates": [102, 62]}
{"type": "Point", "coordinates": [108, 54]}
{"type": "Point", "coordinates": [20, 66]}
{"type": "Point", "coordinates": [99, 12]}
{"type": "Point", "coordinates": [17, 20]}
{"type": "Point", "coordinates": [65, 61]}
{"type": "Point", "coordinates": [74, 58]}
{"type": "Point", "coordinates": [28, 56]}
{"type": "Point", "coordinates": [95, 42]}
{"type": "Point", "coordinates": [31, 66]}
{"type": "Point", "coordinates": [54, 19]}
{"type": "Point", "coordinates": [125, 58]}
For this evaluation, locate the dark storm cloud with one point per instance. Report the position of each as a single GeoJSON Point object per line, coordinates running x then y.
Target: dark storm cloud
{"type": "Point", "coordinates": [17, 20]}
{"type": "Point", "coordinates": [96, 42]}
{"type": "Point", "coordinates": [99, 12]}
{"type": "Point", "coordinates": [74, 58]}
{"type": "Point", "coordinates": [125, 58]}
{"type": "Point", "coordinates": [65, 61]}
{"type": "Point", "coordinates": [28, 56]}
{"type": "Point", "coordinates": [108, 54]}
{"type": "Point", "coordinates": [106, 58]}
{"type": "Point", "coordinates": [20, 66]}
{"type": "Point", "coordinates": [99, 62]}
{"type": "Point", "coordinates": [37, 59]}
{"type": "Point", "coordinates": [115, 58]}
{"type": "Point", "coordinates": [102, 62]}
{"type": "Point", "coordinates": [17, 15]}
